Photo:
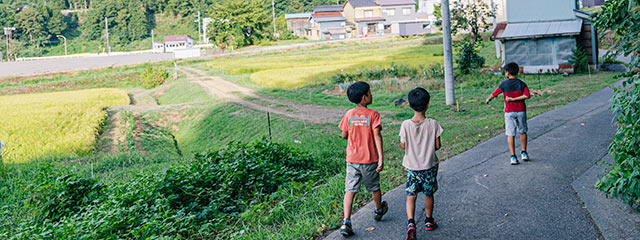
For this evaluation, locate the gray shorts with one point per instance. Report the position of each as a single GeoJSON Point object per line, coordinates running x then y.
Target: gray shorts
{"type": "Point", "coordinates": [515, 120]}
{"type": "Point", "coordinates": [365, 173]}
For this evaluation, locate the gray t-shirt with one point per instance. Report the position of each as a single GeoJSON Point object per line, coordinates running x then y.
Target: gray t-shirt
{"type": "Point", "coordinates": [420, 143]}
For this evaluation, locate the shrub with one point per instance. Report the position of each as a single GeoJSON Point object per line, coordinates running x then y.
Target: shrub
{"type": "Point", "coordinates": [468, 58]}
{"type": "Point", "coordinates": [225, 180]}
{"type": "Point", "coordinates": [153, 77]}
{"type": "Point", "coordinates": [624, 178]}
{"type": "Point", "coordinates": [64, 196]}
{"type": "Point", "coordinates": [580, 60]}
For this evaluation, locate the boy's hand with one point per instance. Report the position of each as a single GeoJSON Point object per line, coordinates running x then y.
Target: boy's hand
{"type": "Point", "coordinates": [488, 100]}
{"type": "Point", "coordinates": [380, 166]}
{"type": "Point", "coordinates": [508, 99]}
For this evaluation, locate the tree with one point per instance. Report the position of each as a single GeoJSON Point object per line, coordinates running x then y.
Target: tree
{"type": "Point", "coordinates": [238, 23]}
{"type": "Point", "coordinates": [30, 26]}
{"type": "Point", "coordinates": [471, 16]}
{"type": "Point", "coordinates": [623, 179]}
{"type": "Point", "coordinates": [128, 20]}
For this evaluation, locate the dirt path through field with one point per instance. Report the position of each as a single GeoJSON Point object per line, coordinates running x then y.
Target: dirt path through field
{"type": "Point", "coordinates": [228, 91]}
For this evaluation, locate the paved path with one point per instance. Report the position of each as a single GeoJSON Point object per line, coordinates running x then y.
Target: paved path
{"type": "Point", "coordinates": [76, 64]}
{"type": "Point", "coordinates": [481, 196]}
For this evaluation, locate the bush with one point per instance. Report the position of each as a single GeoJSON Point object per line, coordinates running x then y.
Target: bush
{"type": "Point", "coordinates": [393, 71]}
{"type": "Point", "coordinates": [624, 178]}
{"type": "Point", "coordinates": [199, 199]}
{"type": "Point", "coordinates": [580, 60]}
{"type": "Point", "coordinates": [468, 58]}
{"type": "Point", "coordinates": [153, 77]}
{"type": "Point", "coordinates": [228, 179]}
{"type": "Point", "coordinates": [64, 196]}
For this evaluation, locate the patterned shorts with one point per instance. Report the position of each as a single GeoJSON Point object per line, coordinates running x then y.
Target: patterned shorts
{"type": "Point", "coordinates": [425, 181]}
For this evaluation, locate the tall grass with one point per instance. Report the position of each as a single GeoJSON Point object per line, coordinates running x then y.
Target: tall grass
{"type": "Point", "coordinates": [54, 124]}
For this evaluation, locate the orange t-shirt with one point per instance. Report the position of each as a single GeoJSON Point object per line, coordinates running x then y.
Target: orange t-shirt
{"type": "Point", "coordinates": [361, 146]}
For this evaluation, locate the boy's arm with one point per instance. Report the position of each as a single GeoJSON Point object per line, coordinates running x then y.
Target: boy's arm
{"type": "Point", "coordinates": [402, 146]}
{"type": "Point", "coordinates": [493, 95]}
{"type": "Point", "coordinates": [377, 137]}
{"type": "Point", "coordinates": [525, 95]}
{"type": "Point", "coordinates": [345, 134]}
{"type": "Point", "coordinates": [515, 99]}
{"type": "Point", "coordinates": [437, 143]}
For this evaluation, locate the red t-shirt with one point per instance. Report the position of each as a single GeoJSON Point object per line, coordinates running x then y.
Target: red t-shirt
{"type": "Point", "coordinates": [361, 146]}
{"type": "Point", "coordinates": [513, 87]}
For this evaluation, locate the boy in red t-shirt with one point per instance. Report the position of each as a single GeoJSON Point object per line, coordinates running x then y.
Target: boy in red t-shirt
{"type": "Point", "coordinates": [515, 110]}
{"type": "Point", "coordinates": [361, 127]}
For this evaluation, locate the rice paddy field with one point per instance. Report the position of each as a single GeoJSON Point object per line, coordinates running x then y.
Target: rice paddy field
{"type": "Point", "coordinates": [54, 124]}
{"type": "Point", "coordinates": [298, 68]}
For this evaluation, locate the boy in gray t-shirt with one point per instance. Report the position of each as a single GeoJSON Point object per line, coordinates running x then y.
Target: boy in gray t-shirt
{"type": "Point", "coordinates": [420, 138]}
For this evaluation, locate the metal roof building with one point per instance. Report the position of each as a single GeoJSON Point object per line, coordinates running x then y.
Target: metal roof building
{"type": "Point", "coordinates": [541, 35]}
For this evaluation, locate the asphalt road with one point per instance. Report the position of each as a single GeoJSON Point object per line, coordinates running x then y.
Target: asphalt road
{"type": "Point", "coordinates": [481, 196]}
{"type": "Point", "coordinates": [75, 64]}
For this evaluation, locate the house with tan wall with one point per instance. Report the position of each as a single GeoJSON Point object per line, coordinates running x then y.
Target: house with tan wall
{"type": "Point", "coordinates": [364, 16]}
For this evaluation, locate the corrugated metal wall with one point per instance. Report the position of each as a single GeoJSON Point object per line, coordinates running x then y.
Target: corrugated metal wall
{"type": "Point", "coordinates": [539, 52]}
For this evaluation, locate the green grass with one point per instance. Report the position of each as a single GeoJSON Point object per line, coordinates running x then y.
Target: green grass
{"type": "Point", "coordinates": [312, 66]}
{"type": "Point", "coordinates": [112, 77]}
{"type": "Point", "coordinates": [182, 91]}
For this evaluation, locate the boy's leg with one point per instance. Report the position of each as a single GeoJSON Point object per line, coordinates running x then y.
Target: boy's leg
{"type": "Point", "coordinates": [512, 145]}
{"type": "Point", "coordinates": [523, 142]}
{"type": "Point", "coordinates": [347, 203]}
{"type": "Point", "coordinates": [428, 206]}
{"type": "Point", "coordinates": [377, 198]}
{"type": "Point", "coordinates": [411, 207]}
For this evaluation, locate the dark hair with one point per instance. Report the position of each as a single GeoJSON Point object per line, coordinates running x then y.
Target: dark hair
{"type": "Point", "coordinates": [512, 68]}
{"type": "Point", "coordinates": [356, 91]}
{"type": "Point", "coordinates": [419, 99]}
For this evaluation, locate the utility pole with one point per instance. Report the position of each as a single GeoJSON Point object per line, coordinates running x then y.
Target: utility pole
{"type": "Point", "coordinates": [448, 56]}
{"type": "Point", "coordinates": [8, 32]}
{"type": "Point", "coordinates": [495, 24]}
{"type": "Point", "coordinates": [273, 13]}
{"type": "Point", "coordinates": [106, 27]}
{"type": "Point", "coordinates": [65, 43]}
{"type": "Point", "coordinates": [199, 29]}
{"type": "Point", "coordinates": [152, 41]}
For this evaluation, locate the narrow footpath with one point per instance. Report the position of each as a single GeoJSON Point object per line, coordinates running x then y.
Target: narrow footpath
{"type": "Point", "coordinates": [481, 196]}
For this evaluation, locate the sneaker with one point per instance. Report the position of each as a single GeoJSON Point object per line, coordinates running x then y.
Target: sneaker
{"type": "Point", "coordinates": [381, 212]}
{"type": "Point", "coordinates": [346, 230]}
{"type": "Point", "coordinates": [430, 224]}
{"type": "Point", "coordinates": [411, 232]}
{"type": "Point", "coordinates": [525, 156]}
{"type": "Point", "coordinates": [514, 160]}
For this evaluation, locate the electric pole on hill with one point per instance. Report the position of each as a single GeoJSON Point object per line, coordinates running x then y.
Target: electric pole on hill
{"type": "Point", "coordinates": [199, 29]}
{"type": "Point", "coordinates": [106, 27]}
{"type": "Point", "coordinates": [448, 56]}
{"type": "Point", "coordinates": [273, 13]}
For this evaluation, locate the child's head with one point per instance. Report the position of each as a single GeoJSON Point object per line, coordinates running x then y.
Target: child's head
{"type": "Point", "coordinates": [359, 93]}
{"type": "Point", "coordinates": [419, 99]}
{"type": "Point", "coordinates": [511, 69]}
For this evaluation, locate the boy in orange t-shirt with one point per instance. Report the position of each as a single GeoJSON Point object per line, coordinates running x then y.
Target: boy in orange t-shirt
{"type": "Point", "coordinates": [361, 127]}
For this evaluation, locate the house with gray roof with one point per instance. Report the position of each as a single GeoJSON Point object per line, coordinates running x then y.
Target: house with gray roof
{"type": "Point", "coordinates": [401, 18]}
{"type": "Point", "coordinates": [540, 35]}
{"type": "Point", "coordinates": [364, 17]}
{"type": "Point", "coordinates": [327, 22]}
{"type": "Point", "coordinates": [298, 22]}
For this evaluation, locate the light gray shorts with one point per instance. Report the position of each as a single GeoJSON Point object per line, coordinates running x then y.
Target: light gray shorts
{"type": "Point", "coordinates": [365, 173]}
{"type": "Point", "coordinates": [515, 120]}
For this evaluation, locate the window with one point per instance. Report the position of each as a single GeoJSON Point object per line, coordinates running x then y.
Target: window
{"type": "Point", "coordinates": [368, 13]}
{"type": "Point", "coordinates": [391, 12]}
{"type": "Point", "coordinates": [406, 11]}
